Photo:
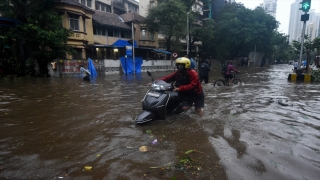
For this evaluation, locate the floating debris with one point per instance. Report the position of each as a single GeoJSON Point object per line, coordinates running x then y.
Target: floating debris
{"type": "Point", "coordinates": [154, 141]}
{"type": "Point", "coordinates": [143, 149]}
{"type": "Point", "coordinates": [148, 131]}
{"type": "Point", "coordinates": [88, 168]}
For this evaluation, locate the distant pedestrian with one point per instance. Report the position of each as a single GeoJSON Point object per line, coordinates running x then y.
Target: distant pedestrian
{"type": "Point", "coordinates": [295, 65]}
{"type": "Point", "coordinates": [85, 72]}
{"type": "Point", "coordinates": [204, 71]}
{"type": "Point", "coordinates": [304, 63]}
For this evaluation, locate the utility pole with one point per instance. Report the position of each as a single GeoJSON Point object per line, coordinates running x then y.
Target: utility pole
{"type": "Point", "coordinates": [187, 34]}
{"type": "Point", "coordinates": [133, 56]}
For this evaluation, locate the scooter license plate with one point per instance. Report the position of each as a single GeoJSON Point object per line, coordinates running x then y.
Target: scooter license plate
{"type": "Point", "coordinates": [153, 94]}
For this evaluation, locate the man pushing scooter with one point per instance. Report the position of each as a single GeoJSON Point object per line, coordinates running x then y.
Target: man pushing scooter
{"type": "Point", "coordinates": [187, 85]}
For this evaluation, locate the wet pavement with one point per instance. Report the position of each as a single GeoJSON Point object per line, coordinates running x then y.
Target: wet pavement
{"type": "Point", "coordinates": [64, 128]}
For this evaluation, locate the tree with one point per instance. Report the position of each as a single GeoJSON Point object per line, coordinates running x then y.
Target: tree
{"type": "Point", "coordinates": [169, 19]}
{"type": "Point", "coordinates": [309, 47]}
{"type": "Point", "coordinates": [38, 39]}
{"type": "Point", "coordinates": [238, 30]}
{"type": "Point", "coordinates": [280, 47]}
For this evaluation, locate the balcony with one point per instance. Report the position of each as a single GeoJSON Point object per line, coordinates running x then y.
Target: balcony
{"type": "Point", "coordinates": [118, 5]}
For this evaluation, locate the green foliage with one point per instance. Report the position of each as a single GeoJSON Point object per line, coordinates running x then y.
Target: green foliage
{"type": "Point", "coordinates": [238, 30]}
{"type": "Point", "coordinates": [281, 49]}
{"type": "Point", "coordinates": [316, 75]}
{"type": "Point", "coordinates": [316, 45]}
{"type": "Point", "coordinates": [309, 47]}
{"type": "Point", "coordinates": [205, 34]}
{"type": "Point", "coordinates": [38, 39]}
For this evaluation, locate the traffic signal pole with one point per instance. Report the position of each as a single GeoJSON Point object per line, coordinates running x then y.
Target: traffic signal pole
{"type": "Point", "coordinates": [302, 42]}
{"type": "Point", "coordinates": [305, 6]}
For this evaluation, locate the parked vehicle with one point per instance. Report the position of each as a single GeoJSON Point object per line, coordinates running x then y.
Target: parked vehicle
{"type": "Point", "coordinates": [158, 102]}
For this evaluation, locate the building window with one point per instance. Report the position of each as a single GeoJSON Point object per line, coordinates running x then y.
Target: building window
{"type": "Point", "coordinates": [89, 3]}
{"type": "Point", "coordinates": [143, 34]}
{"type": "Point", "coordinates": [77, 54]}
{"type": "Point", "coordinates": [97, 6]}
{"type": "Point", "coordinates": [116, 33]}
{"type": "Point", "coordinates": [133, 8]}
{"type": "Point", "coordinates": [151, 36]}
{"type": "Point", "coordinates": [108, 9]}
{"type": "Point", "coordinates": [99, 31]}
{"type": "Point", "coordinates": [83, 2]}
{"type": "Point", "coordinates": [110, 32]}
{"type": "Point", "coordinates": [84, 25]}
{"type": "Point", "coordinates": [103, 8]}
{"type": "Point", "coordinates": [74, 22]}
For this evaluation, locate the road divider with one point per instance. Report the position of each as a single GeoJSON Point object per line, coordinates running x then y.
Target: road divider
{"type": "Point", "coordinates": [300, 77]}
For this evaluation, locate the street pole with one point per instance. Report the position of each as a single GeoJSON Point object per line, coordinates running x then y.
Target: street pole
{"type": "Point", "coordinates": [126, 69]}
{"type": "Point", "coordinates": [254, 56]}
{"type": "Point", "coordinates": [133, 56]}
{"type": "Point", "coordinates": [302, 41]}
{"type": "Point", "coordinates": [187, 34]}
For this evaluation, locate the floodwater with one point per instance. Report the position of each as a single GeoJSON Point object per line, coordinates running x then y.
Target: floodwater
{"type": "Point", "coordinates": [65, 128]}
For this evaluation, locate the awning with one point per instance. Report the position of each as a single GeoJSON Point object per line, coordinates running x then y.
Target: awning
{"type": "Point", "coordinates": [162, 51]}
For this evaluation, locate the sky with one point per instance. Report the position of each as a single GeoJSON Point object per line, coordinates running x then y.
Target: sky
{"type": "Point", "coordinates": [283, 10]}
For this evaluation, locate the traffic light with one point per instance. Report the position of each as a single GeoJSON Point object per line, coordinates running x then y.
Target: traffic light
{"type": "Point", "coordinates": [305, 5]}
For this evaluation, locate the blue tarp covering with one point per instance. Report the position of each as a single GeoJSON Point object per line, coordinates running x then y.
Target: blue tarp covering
{"type": "Point", "coordinates": [123, 43]}
{"type": "Point", "coordinates": [127, 64]}
{"type": "Point", "coordinates": [91, 68]}
{"type": "Point", "coordinates": [162, 51]}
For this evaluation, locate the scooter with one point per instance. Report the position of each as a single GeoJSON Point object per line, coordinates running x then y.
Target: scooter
{"type": "Point", "coordinates": [159, 101]}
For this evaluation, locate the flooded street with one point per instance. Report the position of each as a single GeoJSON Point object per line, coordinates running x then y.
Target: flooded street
{"type": "Point", "coordinates": [64, 128]}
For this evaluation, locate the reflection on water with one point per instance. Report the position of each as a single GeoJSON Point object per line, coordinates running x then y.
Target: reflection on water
{"type": "Point", "coordinates": [52, 128]}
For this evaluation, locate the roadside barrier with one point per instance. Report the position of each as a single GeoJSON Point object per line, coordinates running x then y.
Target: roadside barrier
{"type": "Point", "coordinates": [299, 77]}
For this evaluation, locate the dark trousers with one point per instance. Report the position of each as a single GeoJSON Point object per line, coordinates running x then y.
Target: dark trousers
{"type": "Point", "coordinates": [87, 78]}
{"type": "Point", "coordinates": [205, 78]}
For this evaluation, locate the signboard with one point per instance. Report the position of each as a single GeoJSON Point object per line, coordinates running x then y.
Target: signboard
{"type": "Point", "coordinates": [129, 50]}
{"type": "Point", "coordinates": [175, 55]}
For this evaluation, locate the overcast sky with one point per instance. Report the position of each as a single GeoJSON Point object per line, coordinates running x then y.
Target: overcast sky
{"type": "Point", "coordinates": [283, 10]}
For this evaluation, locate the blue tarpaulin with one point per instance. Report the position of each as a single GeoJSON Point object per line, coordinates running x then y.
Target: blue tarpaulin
{"type": "Point", "coordinates": [91, 68]}
{"type": "Point", "coordinates": [123, 43]}
{"type": "Point", "coordinates": [127, 64]}
{"type": "Point", "coordinates": [162, 51]}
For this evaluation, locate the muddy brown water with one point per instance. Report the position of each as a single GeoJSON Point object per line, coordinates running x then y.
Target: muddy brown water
{"type": "Point", "coordinates": [52, 128]}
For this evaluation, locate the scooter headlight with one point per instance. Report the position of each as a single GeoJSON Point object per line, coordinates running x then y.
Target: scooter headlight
{"type": "Point", "coordinates": [157, 87]}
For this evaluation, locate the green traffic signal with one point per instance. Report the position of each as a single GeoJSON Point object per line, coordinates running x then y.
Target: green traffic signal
{"type": "Point", "coordinates": [305, 5]}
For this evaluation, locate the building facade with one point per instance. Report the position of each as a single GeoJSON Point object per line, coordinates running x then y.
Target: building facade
{"type": "Point", "coordinates": [78, 19]}
{"type": "Point", "coordinates": [270, 7]}
{"type": "Point", "coordinates": [112, 6]}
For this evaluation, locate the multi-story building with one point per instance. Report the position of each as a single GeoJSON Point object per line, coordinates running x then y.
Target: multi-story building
{"type": "Point", "coordinates": [270, 7]}
{"type": "Point", "coordinates": [78, 19]}
{"type": "Point", "coordinates": [296, 25]}
{"type": "Point", "coordinates": [112, 6]}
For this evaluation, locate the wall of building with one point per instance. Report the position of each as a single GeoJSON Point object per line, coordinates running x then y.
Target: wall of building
{"type": "Point", "coordinates": [71, 67]}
